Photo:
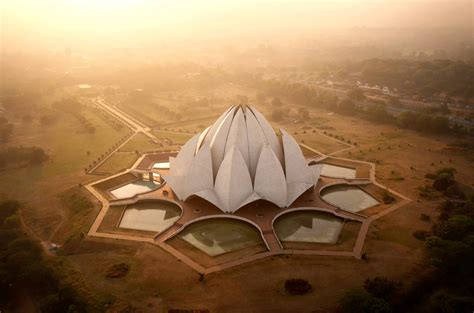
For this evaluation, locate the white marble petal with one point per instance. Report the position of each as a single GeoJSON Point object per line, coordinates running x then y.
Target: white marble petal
{"type": "Point", "coordinates": [219, 139]}
{"type": "Point", "coordinates": [199, 176]}
{"type": "Point", "coordinates": [269, 133]}
{"type": "Point", "coordinates": [233, 182]}
{"type": "Point", "coordinates": [185, 157]}
{"type": "Point", "coordinates": [238, 135]}
{"type": "Point", "coordinates": [256, 140]}
{"type": "Point", "coordinates": [270, 181]}
{"type": "Point", "coordinates": [299, 177]}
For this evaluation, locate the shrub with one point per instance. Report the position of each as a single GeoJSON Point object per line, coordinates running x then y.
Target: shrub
{"type": "Point", "coordinates": [425, 217]}
{"type": "Point", "coordinates": [421, 234]}
{"type": "Point", "coordinates": [380, 287]}
{"type": "Point", "coordinates": [117, 270]}
{"type": "Point", "coordinates": [360, 301]}
{"type": "Point", "coordinates": [443, 181]}
{"type": "Point", "coordinates": [297, 286]}
{"type": "Point", "coordinates": [455, 191]}
{"type": "Point", "coordinates": [387, 197]}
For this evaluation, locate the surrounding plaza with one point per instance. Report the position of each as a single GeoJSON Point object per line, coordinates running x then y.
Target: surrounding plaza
{"type": "Point", "coordinates": [173, 199]}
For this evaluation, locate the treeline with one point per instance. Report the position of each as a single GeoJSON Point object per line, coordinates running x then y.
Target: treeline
{"type": "Point", "coordinates": [376, 111]}
{"type": "Point", "coordinates": [444, 282]}
{"type": "Point", "coordinates": [426, 78]}
{"type": "Point", "coordinates": [169, 77]}
{"type": "Point", "coordinates": [27, 275]}
{"type": "Point", "coordinates": [22, 156]}
{"type": "Point", "coordinates": [419, 121]}
{"type": "Point", "coordinates": [26, 101]}
{"type": "Point", "coordinates": [72, 106]}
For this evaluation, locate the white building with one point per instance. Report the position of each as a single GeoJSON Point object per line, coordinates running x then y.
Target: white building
{"type": "Point", "coordinates": [240, 159]}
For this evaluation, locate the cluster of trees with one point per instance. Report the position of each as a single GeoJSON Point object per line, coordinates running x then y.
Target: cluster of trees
{"type": "Point", "coordinates": [423, 122]}
{"type": "Point", "coordinates": [375, 297]}
{"type": "Point", "coordinates": [72, 106]}
{"type": "Point", "coordinates": [138, 100]}
{"type": "Point", "coordinates": [377, 111]}
{"type": "Point", "coordinates": [450, 246]}
{"type": "Point", "coordinates": [22, 156]}
{"type": "Point", "coordinates": [307, 96]}
{"type": "Point", "coordinates": [21, 102]}
{"type": "Point", "coordinates": [426, 78]}
{"type": "Point", "coordinates": [443, 284]}
{"type": "Point", "coordinates": [167, 77]}
{"type": "Point", "coordinates": [27, 274]}
{"type": "Point", "coordinates": [6, 130]}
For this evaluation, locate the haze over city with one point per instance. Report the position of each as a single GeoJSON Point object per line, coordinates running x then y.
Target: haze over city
{"type": "Point", "coordinates": [237, 156]}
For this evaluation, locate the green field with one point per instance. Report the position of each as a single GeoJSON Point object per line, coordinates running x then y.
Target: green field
{"type": "Point", "coordinates": [67, 144]}
{"type": "Point", "coordinates": [117, 162]}
{"type": "Point", "coordinates": [141, 143]}
{"type": "Point", "coordinates": [175, 137]}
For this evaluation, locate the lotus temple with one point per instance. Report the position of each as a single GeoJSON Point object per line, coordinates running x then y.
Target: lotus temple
{"type": "Point", "coordinates": [241, 191]}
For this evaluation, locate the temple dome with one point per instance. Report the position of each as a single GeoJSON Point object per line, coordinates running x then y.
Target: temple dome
{"type": "Point", "coordinates": [240, 159]}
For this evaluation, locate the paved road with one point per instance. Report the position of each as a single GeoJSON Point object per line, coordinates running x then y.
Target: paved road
{"type": "Point", "coordinates": [135, 125]}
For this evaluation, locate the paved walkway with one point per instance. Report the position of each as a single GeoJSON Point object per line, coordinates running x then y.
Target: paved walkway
{"type": "Point", "coordinates": [133, 123]}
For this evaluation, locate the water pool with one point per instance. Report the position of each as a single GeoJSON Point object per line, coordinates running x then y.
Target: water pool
{"type": "Point", "coordinates": [338, 171]}
{"type": "Point", "coordinates": [162, 165]}
{"type": "Point", "coordinates": [150, 216]}
{"type": "Point", "coordinates": [308, 226]}
{"type": "Point", "coordinates": [349, 198]}
{"type": "Point", "coordinates": [218, 236]}
{"type": "Point", "coordinates": [132, 189]}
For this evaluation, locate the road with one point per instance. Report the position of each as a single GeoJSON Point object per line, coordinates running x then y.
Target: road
{"type": "Point", "coordinates": [135, 125]}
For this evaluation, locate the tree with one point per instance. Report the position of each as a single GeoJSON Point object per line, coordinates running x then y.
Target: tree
{"type": "Point", "coordinates": [347, 105]}
{"type": "Point", "coordinates": [38, 156]}
{"type": "Point", "coordinates": [451, 257]}
{"type": "Point", "coordinates": [443, 181]}
{"type": "Point", "coordinates": [380, 287]}
{"type": "Point", "coordinates": [355, 301]}
{"type": "Point", "coordinates": [455, 228]}
{"type": "Point", "coordinates": [394, 102]}
{"type": "Point", "coordinates": [360, 301]}
{"type": "Point", "coordinates": [356, 94]}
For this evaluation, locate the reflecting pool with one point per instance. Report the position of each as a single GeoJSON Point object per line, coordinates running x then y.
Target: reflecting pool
{"type": "Point", "coordinates": [338, 171]}
{"type": "Point", "coordinates": [134, 188]}
{"type": "Point", "coordinates": [150, 216]}
{"type": "Point", "coordinates": [308, 226]}
{"type": "Point", "coordinates": [220, 235]}
{"type": "Point", "coordinates": [349, 198]}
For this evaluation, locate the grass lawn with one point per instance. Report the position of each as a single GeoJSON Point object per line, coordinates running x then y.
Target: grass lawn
{"type": "Point", "coordinates": [320, 142]}
{"type": "Point", "coordinates": [192, 125]}
{"type": "Point", "coordinates": [175, 137]}
{"type": "Point", "coordinates": [140, 143]}
{"type": "Point", "coordinates": [117, 162]}
{"type": "Point", "coordinates": [144, 115]}
{"type": "Point", "coordinates": [400, 235]}
{"type": "Point", "coordinates": [66, 143]}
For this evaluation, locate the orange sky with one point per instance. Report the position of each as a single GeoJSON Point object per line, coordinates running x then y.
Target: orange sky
{"type": "Point", "coordinates": [76, 22]}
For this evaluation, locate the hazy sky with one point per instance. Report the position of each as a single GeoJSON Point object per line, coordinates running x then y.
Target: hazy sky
{"type": "Point", "coordinates": [74, 23]}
